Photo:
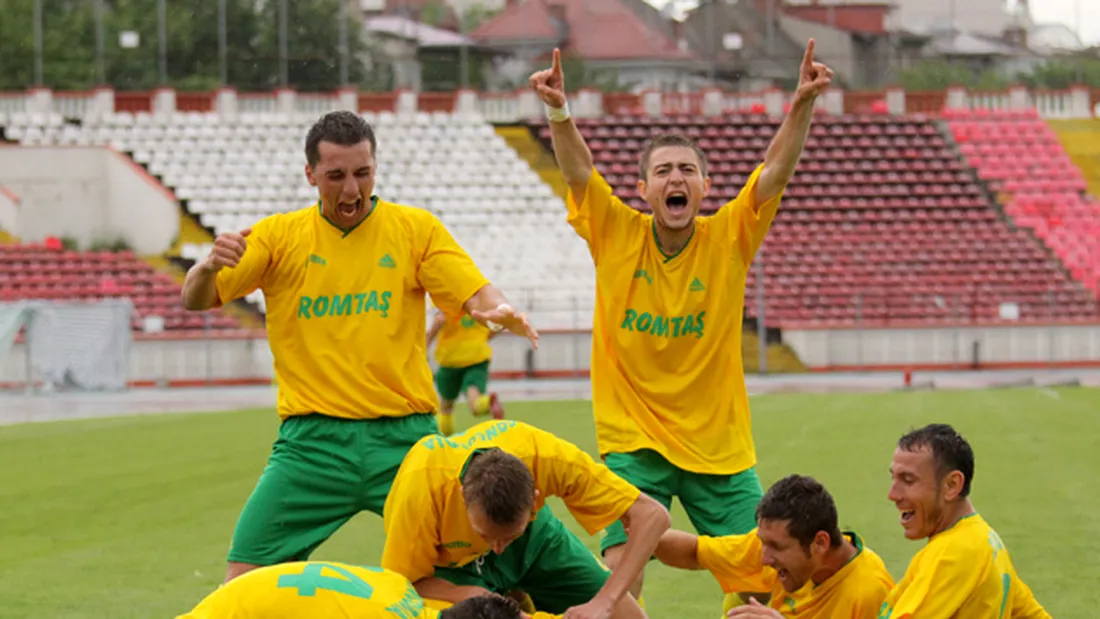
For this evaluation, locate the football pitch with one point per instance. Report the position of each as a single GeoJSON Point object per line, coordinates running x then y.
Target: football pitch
{"type": "Point", "coordinates": [130, 517]}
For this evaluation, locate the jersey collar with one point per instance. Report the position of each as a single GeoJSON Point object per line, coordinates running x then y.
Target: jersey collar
{"type": "Point", "coordinates": [657, 242]}
{"type": "Point", "coordinates": [373, 206]}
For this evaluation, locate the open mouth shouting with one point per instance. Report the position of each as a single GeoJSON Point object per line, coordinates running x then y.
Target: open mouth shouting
{"type": "Point", "coordinates": [677, 202]}
{"type": "Point", "coordinates": [349, 210]}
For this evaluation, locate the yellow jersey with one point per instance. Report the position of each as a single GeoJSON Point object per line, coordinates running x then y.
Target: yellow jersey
{"type": "Point", "coordinates": [462, 342]}
{"type": "Point", "coordinates": [425, 515]}
{"type": "Point", "coordinates": [965, 571]}
{"type": "Point", "coordinates": [855, 591]}
{"type": "Point", "coordinates": [346, 311]}
{"type": "Point", "coordinates": [666, 335]}
{"type": "Point", "coordinates": [314, 590]}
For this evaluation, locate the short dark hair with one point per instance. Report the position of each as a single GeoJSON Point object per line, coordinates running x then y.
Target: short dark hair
{"type": "Point", "coordinates": [483, 607]}
{"type": "Point", "coordinates": [343, 128]}
{"type": "Point", "coordinates": [669, 139]}
{"type": "Point", "coordinates": [806, 506]}
{"type": "Point", "coordinates": [950, 451]}
{"type": "Point", "coordinates": [501, 484]}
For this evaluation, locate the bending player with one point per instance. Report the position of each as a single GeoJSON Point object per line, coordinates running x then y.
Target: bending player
{"type": "Point", "coordinates": [463, 354]}
{"type": "Point", "coordinates": [330, 590]}
{"type": "Point", "coordinates": [668, 388]}
{"type": "Point", "coordinates": [345, 284]}
{"type": "Point", "coordinates": [797, 541]}
{"type": "Point", "coordinates": [965, 569]}
{"type": "Point", "coordinates": [467, 516]}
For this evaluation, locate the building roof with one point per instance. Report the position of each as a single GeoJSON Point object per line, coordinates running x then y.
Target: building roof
{"type": "Point", "coordinates": [425, 35]}
{"type": "Point", "coordinates": [592, 29]}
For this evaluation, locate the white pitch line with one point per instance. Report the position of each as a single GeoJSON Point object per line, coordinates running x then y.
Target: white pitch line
{"type": "Point", "coordinates": [1050, 393]}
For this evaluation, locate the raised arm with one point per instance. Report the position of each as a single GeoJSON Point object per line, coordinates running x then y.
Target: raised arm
{"type": "Point", "coordinates": [574, 158]}
{"type": "Point", "coordinates": [783, 153]}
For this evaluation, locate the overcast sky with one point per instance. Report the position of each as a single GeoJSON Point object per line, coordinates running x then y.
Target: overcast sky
{"type": "Point", "coordinates": [1043, 11]}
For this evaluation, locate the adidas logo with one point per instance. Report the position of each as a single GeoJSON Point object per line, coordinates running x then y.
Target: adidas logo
{"type": "Point", "coordinates": [697, 286]}
{"type": "Point", "coordinates": [387, 263]}
{"type": "Point", "coordinates": [315, 259]}
{"type": "Point", "coordinates": [642, 274]}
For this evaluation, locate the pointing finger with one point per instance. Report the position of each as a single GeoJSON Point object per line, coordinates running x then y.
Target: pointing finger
{"type": "Point", "coordinates": [808, 59]}
{"type": "Point", "coordinates": [556, 67]}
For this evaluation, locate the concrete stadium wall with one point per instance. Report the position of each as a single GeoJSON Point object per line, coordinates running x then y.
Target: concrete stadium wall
{"type": "Point", "coordinates": [247, 359]}
{"type": "Point", "coordinates": [9, 211]}
{"type": "Point", "coordinates": [946, 346]}
{"type": "Point", "coordinates": [89, 194]}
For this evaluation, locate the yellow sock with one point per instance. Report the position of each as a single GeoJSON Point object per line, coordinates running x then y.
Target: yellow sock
{"type": "Point", "coordinates": [446, 424]}
{"type": "Point", "coordinates": [481, 406]}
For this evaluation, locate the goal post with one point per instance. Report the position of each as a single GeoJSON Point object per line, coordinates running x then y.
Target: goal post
{"type": "Point", "coordinates": [69, 345]}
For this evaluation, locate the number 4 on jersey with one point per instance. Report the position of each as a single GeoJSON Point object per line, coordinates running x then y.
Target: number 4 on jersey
{"type": "Point", "coordinates": [311, 580]}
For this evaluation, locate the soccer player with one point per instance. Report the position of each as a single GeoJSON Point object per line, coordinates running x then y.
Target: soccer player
{"type": "Point", "coordinates": [345, 283]}
{"type": "Point", "coordinates": [965, 569]}
{"type": "Point", "coordinates": [463, 354]}
{"type": "Point", "coordinates": [330, 590]}
{"type": "Point", "coordinates": [668, 389]}
{"type": "Point", "coordinates": [467, 516]}
{"type": "Point", "coordinates": [797, 541]}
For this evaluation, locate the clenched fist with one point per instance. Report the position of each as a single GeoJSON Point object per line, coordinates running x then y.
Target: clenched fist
{"type": "Point", "coordinates": [228, 250]}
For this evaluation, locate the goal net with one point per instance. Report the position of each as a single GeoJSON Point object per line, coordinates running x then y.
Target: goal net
{"type": "Point", "coordinates": [67, 346]}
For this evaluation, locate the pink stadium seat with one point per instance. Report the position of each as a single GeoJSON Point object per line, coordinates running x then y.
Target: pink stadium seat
{"type": "Point", "coordinates": [47, 271]}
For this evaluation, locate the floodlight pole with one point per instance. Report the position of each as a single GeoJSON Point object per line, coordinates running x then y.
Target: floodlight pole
{"type": "Point", "coordinates": [342, 33]}
{"type": "Point", "coordinates": [100, 44]}
{"type": "Point", "coordinates": [37, 28]}
{"type": "Point", "coordinates": [223, 44]}
{"type": "Point", "coordinates": [284, 73]}
{"type": "Point", "coordinates": [162, 40]}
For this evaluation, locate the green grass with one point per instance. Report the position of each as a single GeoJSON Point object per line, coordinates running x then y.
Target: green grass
{"type": "Point", "coordinates": [131, 517]}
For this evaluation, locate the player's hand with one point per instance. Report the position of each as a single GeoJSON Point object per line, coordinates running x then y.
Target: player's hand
{"type": "Point", "coordinates": [813, 77]}
{"type": "Point", "coordinates": [754, 609]}
{"type": "Point", "coordinates": [550, 83]}
{"type": "Point", "coordinates": [506, 317]}
{"type": "Point", "coordinates": [598, 608]}
{"type": "Point", "coordinates": [228, 250]}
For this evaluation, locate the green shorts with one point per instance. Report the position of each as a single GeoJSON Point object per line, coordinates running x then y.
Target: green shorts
{"type": "Point", "coordinates": [452, 382]}
{"type": "Point", "coordinates": [547, 562]}
{"type": "Point", "coordinates": [716, 504]}
{"type": "Point", "coordinates": [322, 471]}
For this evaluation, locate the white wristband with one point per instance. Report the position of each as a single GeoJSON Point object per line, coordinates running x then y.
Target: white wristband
{"type": "Point", "coordinates": [494, 327]}
{"type": "Point", "coordinates": [558, 114]}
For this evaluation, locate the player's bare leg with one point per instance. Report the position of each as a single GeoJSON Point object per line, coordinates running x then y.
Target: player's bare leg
{"type": "Point", "coordinates": [446, 418]}
{"type": "Point", "coordinates": [234, 569]}
{"type": "Point", "coordinates": [482, 404]}
{"type": "Point", "coordinates": [611, 558]}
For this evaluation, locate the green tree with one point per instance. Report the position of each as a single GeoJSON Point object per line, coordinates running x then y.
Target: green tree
{"type": "Point", "coordinates": [940, 74]}
{"type": "Point", "coordinates": [312, 44]}
{"type": "Point", "coordinates": [1061, 73]}
{"type": "Point", "coordinates": [68, 44]}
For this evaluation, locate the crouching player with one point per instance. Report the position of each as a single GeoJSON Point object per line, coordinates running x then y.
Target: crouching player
{"type": "Point", "coordinates": [467, 516]}
{"type": "Point", "coordinates": [797, 552]}
{"type": "Point", "coordinates": [329, 590]}
{"type": "Point", "coordinates": [964, 570]}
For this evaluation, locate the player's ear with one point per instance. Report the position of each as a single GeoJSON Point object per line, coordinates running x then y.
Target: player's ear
{"type": "Point", "coordinates": [952, 485]}
{"type": "Point", "coordinates": [706, 185]}
{"type": "Point", "coordinates": [820, 543]}
{"type": "Point", "coordinates": [309, 176]}
{"type": "Point", "coordinates": [641, 188]}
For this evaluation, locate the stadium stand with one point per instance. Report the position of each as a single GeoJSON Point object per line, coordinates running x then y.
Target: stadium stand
{"type": "Point", "coordinates": [33, 271]}
{"type": "Point", "coordinates": [882, 223]}
{"type": "Point", "coordinates": [230, 175]}
{"type": "Point", "coordinates": [1040, 186]}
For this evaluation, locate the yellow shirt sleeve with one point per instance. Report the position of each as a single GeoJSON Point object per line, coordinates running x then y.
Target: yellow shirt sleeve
{"type": "Point", "coordinates": [599, 215]}
{"type": "Point", "coordinates": [939, 588]}
{"type": "Point", "coordinates": [594, 495]}
{"type": "Point", "coordinates": [736, 561]}
{"type": "Point", "coordinates": [248, 275]}
{"type": "Point", "coordinates": [446, 271]}
{"type": "Point", "coordinates": [410, 520]}
{"type": "Point", "coordinates": [746, 221]}
{"type": "Point", "coordinates": [1024, 604]}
